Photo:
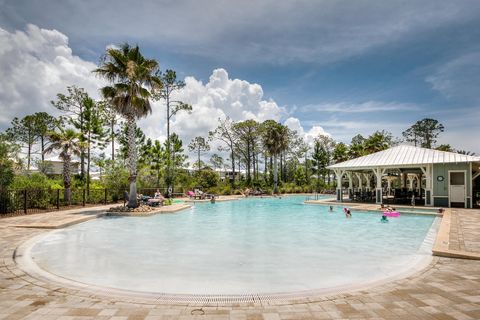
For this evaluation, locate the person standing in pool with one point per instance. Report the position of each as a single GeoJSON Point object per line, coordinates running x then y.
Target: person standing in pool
{"type": "Point", "coordinates": [331, 209]}
{"type": "Point", "coordinates": [384, 218]}
{"type": "Point", "coordinates": [348, 214]}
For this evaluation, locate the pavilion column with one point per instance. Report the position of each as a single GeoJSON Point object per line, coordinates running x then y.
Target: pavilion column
{"type": "Point", "coordinates": [428, 172]}
{"type": "Point", "coordinates": [339, 174]}
{"type": "Point", "coordinates": [378, 189]}
{"type": "Point", "coordinates": [360, 182]}
{"type": "Point", "coordinates": [367, 179]}
{"type": "Point", "coordinates": [410, 179]}
{"type": "Point", "coordinates": [404, 180]}
{"type": "Point", "coordinates": [389, 185]}
{"type": "Point", "coordinates": [350, 185]}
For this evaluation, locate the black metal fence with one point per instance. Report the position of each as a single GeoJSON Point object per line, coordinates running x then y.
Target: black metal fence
{"type": "Point", "coordinates": [27, 201]}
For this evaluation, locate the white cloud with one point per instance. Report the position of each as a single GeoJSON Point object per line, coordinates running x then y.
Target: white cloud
{"type": "Point", "coordinates": [309, 135]}
{"type": "Point", "coordinates": [219, 98]}
{"type": "Point", "coordinates": [35, 65]}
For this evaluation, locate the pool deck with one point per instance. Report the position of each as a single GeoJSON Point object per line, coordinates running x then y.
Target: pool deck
{"type": "Point", "coordinates": [447, 288]}
{"type": "Point", "coordinates": [217, 199]}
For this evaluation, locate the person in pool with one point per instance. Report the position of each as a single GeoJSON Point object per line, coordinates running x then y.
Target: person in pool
{"type": "Point", "coordinates": [331, 209]}
{"type": "Point", "coordinates": [384, 219]}
{"type": "Point", "coordinates": [348, 213]}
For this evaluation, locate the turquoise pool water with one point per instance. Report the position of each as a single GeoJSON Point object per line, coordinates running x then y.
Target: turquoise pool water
{"type": "Point", "coordinates": [237, 247]}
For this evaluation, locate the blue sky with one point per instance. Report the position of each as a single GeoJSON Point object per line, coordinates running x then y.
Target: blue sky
{"type": "Point", "coordinates": [345, 66]}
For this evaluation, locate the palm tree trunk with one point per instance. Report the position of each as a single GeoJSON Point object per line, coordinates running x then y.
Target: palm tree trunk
{"type": "Point", "coordinates": [132, 161]}
{"type": "Point", "coordinates": [82, 152]}
{"type": "Point", "coordinates": [112, 137]}
{"type": "Point", "coordinates": [88, 164]}
{"type": "Point", "coordinates": [275, 174]}
{"type": "Point", "coordinates": [306, 168]}
{"type": "Point", "coordinates": [66, 180]}
{"type": "Point", "coordinates": [198, 169]}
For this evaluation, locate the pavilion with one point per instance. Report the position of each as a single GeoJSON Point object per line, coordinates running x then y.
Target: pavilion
{"type": "Point", "coordinates": [438, 178]}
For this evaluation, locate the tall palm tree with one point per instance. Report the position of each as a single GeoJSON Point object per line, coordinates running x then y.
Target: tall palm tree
{"type": "Point", "coordinates": [133, 81]}
{"type": "Point", "coordinates": [68, 142]}
{"type": "Point", "coordinates": [275, 140]}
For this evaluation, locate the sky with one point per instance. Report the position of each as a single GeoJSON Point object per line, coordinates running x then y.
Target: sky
{"type": "Point", "coordinates": [321, 67]}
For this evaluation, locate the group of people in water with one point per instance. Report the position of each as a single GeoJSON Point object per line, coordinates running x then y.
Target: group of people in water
{"type": "Point", "coordinates": [348, 212]}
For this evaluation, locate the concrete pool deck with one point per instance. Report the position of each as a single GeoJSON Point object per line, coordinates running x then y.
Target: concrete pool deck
{"type": "Point", "coordinates": [446, 289]}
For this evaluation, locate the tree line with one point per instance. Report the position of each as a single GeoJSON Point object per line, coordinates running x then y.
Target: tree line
{"type": "Point", "coordinates": [104, 133]}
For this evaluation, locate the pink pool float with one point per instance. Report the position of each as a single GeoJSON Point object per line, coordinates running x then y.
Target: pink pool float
{"type": "Point", "coordinates": [393, 214]}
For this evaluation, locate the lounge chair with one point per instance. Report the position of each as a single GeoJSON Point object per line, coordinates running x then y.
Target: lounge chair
{"type": "Point", "coordinates": [199, 194]}
{"type": "Point", "coordinates": [154, 202]}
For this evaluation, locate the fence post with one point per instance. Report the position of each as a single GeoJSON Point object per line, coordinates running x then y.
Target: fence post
{"type": "Point", "coordinates": [83, 197]}
{"type": "Point", "coordinates": [25, 201]}
{"type": "Point", "coordinates": [58, 199]}
{"type": "Point", "coordinates": [105, 196]}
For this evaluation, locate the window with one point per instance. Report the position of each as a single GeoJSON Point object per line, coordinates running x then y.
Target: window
{"type": "Point", "coordinates": [457, 178]}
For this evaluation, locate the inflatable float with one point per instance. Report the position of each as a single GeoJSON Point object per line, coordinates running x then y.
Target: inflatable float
{"type": "Point", "coordinates": [393, 214]}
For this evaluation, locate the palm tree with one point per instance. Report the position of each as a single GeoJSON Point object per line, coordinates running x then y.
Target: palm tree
{"type": "Point", "coordinates": [275, 140]}
{"type": "Point", "coordinates": [378, 141]}
{"type": "Point", "coordinates": [133, 81]}
{"type": "Point", "coordinates": [68, 142]}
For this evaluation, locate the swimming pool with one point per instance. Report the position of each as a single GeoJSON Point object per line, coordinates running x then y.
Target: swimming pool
{"type": "Point", "coordinates": [238, 247]}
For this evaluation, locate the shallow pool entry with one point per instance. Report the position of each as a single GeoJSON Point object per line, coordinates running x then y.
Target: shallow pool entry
{"type": "Point", "coordinates": [249, 246]}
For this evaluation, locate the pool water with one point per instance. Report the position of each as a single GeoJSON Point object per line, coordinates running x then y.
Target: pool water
{"type": "Point", "coordinates": [247, 246]}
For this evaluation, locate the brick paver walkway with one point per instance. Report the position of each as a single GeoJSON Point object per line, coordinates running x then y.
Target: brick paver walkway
{"type": "Point", "coordinates": [446, 289]}
{"type": "Point", "coordinates": [468, 229]}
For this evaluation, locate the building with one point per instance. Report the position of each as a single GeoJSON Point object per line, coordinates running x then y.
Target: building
{"type": "Point", "coordinates": [54, 166]}
{"type": "Point", "coordinates": [439, 178]}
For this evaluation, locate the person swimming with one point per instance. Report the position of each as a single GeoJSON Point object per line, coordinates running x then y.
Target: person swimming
{"type": "Point", "coordinates": [331, 209]}
{"type": "Point", "coordinates": [384, 219]}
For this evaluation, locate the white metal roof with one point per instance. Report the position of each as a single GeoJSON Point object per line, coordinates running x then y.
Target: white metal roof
{"type": "Point", "coordinates": [404, 155]}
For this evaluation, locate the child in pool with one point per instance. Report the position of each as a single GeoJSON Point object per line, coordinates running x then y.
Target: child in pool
{"type": "Point", "coordinates": [384, 219]}
{"type": "Point", "coordinates": [331, 209]}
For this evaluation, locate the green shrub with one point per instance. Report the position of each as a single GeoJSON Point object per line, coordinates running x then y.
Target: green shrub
{"type": "Point", "coordinates": [38, 189]}
{"type": "Point", "coordinates": [206, 178]}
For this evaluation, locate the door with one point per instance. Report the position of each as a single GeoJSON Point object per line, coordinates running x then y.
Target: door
{"type": "Point", "coordinates": [457, 187]}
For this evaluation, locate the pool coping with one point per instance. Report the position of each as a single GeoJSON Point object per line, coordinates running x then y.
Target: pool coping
{"type": "Point", "coordinates": [24, 260]}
